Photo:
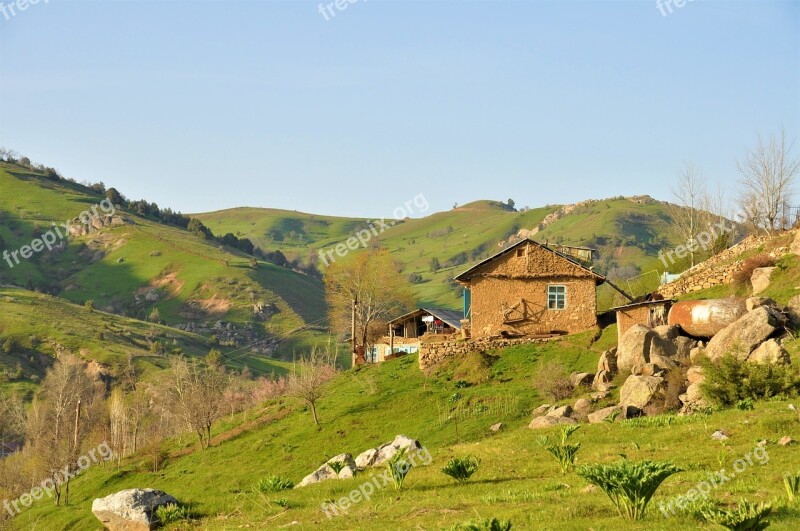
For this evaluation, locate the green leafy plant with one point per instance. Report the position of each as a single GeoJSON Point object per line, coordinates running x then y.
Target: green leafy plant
{"type": "Point", "coordinates": [485, 525]}
{"type": "Point", "coordinates": [745, 404]}
{"type": "Point", "coordinates": [730, 381]}
{"type": "Point", "coordinates": [745, 517]}
{"type": "Point", "coordinates": [274, 484]}
{"type": "Point", "coordinates": [337, 466]}
{"type": "Point", "coordinates": [563, 450]}
{"type": "Point", "coordinates": [461, 468]}
{"type": "Point", "coordinates": [629, 485]}
{"type": "Point", "coordinates": [791, 483]}
{"type": "Point", "coordinates": [171, 513]}
{"type": "Point", "coordinates": [612, 417]}
{"type": "Point", "coordinates": [399, 468]}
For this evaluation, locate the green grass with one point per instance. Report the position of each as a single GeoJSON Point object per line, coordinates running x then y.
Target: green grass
{"type": "Point", "coordinates": [517, 480]}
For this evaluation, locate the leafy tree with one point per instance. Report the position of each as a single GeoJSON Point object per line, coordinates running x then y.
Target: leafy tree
{"type": "Point", "coordinates": [511, 203]}
{"type": "Point", "coordinates": [434, 265]}
{"type": "Point", "coordinates": [114, 196]}
{"type": "Point", "coordinates": [309, 377]}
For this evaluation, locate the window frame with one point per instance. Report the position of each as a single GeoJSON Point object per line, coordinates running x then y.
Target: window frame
{"type": "Point", "coordinates": [556, 294]}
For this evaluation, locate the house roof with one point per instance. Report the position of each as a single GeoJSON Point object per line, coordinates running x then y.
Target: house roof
{"type": "Point", "coordinates": [642, 303]}
{"type": "Point", "coordinates": [453, 318]}
{"type": "Point", "coordinates": [469, 273]}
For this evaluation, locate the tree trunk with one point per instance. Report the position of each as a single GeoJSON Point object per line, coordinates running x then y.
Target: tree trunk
{"type": "Point", "coordinates": [314, 412]}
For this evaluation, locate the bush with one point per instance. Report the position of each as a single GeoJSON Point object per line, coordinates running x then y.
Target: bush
{"type": "Point", "coordinates": [629, 485]}
{"type": "Point", "coordinates": [337, 466]}
{"type": "Point", "coordinates": [742, 277]}
{"type": "Point", "coordinates": [791, 482]}
{"type": "Point", "coordinates": [563, 451]}
{"type": "Point", "coordinates": [89, 305]}
{"type": "Point", "coordinates": [461, 468]}
{"type": "Point", "coordinates": [552, 381]}
{"type": "Point", "coordinates": [171, 513]}
{"type": "Point", "coordinates": [398, 467]}
{"type": "Point", "coordinates": [731, 381]}
{"type": "Point", "coordinates": [745, 517]}
{"type": "Point", "coordinates": [274, 484]}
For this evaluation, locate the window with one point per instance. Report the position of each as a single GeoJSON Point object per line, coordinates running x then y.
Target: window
{"type": "Point", "coordinates": [520, 252]}
{"type": "Point", "coordinates": [556, 297]}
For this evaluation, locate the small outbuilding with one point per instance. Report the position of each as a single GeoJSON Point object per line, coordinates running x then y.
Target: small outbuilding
{"type": "Point", "coordinates": [406, 331]}
{"type": "Point", "coordinates": [650, 313]}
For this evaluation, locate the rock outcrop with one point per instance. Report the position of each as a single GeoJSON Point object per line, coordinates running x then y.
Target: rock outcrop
{"type": "Point", "coordinates": [744, 335]}
{"type": "Point", "coordinates": [131, 510]}
{"type": "Point", "coordinates": [326, 471]}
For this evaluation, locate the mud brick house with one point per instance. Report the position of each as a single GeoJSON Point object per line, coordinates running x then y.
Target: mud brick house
{"type": "Point", "coordinates": [531, 289]}
{"type": "Point", "coordinates": [407, 332]}
{"type": "Point", "coordinates": [650, 313]}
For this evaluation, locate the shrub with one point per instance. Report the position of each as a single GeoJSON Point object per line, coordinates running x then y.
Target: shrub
{"type": "Point", "coordinates": [274, 484]}
{"type": "Point", "coordinates": [552, 381]}
{"type": "Point", "coordinates": [171, 513]}
{"type": "Point", "coordinates": [742, 277]}
{"type": "Point", "coordinates": [745, 405]}
{"type": "Point", "coordinates": [485, 525]}
{"type": "Point", "coordinates": [745, 517]}
{"type": "Point", "coordinates": [730, 381]}
{"type": "Point", "coordinates": [461, 468]}
{"type": "Point", "coordinates": [89, 305]}
{"type": "Point", "coordinates": [563, 451]}
{"type": "Point", "coordinates": [398, 467]}
{"type": "Point", "coordinates": [791, 483]}
{"type": "Point", "coordinates": [337, 466]}
{"type": "Point", "coordinates": [629, 485]}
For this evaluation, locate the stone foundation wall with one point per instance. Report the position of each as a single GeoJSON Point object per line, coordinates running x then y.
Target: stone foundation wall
{"type": "Point", "coordinates": [431, 354]}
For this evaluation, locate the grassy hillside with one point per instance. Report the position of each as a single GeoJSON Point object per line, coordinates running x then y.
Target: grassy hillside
{"type": "Point", "coordinates": [517, 479]}
{"type": "Point", "coordinates": [41, 327]}
{"type": "Point", "coordinates": [627, 233]}
{"type": "Point", "coordinates": [146, 269]}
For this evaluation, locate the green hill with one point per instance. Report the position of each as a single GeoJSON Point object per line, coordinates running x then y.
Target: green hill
{"type": "Point", "coordinates": [145, 269]}
{"type": "Point", "coordinates": [449, 412]}
{"type": "Point", "coordinates": [626, 232]}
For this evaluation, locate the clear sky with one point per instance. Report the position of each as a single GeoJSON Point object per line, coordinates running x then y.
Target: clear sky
{"type": "Point", "coordinates": [208, 105]}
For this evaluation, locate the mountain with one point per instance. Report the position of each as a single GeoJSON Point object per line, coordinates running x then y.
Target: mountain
{"type": "Point", "coordinates": [626, 232]}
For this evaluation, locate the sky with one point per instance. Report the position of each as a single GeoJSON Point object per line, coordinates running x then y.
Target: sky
{"type": "Point", "coordinates": [202, 106]}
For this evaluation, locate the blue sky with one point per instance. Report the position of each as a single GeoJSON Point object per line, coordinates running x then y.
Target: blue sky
{"type": "Point", "coordinates": [209, 105]}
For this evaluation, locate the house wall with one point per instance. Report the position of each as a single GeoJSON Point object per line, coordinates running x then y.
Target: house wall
{"type": "Point", "coordinates": [523, 280]}
{"type": "Point", "coordinates": [410, 345]}
{"type": "Point", "coordinates": [641, 315]}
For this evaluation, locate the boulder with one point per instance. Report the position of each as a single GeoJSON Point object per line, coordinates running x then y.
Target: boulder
{"type": "Point", "coordinates": [755, 302]}
{"type": "Point", "coordinates": [547, 422]}
{"type": "Point", "coordinates": [494, 428]}
{"type": "Point", "coordinates": [366, 458]}
{"type": "Point", "coordinates": [608, 361]}
{"type": "Point", "coordinates": [694, 396]}
{"type": "Point", "coordinates": [667, 332]}
{"type": "Point", "coordinates": [746, 333]}
{"type": "Point", "coordinates": [582, 407]}
{"type": "Point", "coordinates": [770, 351]}
{"type": "Point", "coordinates": [563, 411]}
{"type": "Point", "coordinates": [602, 414]}
{"type": "Point", "coordinates": [793, 309]}
{"type": "Point", "coordinates": [719, 435]}
{"type": "Point", "coordinates": [660, 363]}
{"type": "Point", "coordinates": [601, 381]}
{"type": "Point", "coordinates": [578, 379]}
{"type": "Point", "coordinates": [326, 472]}
{"type": "Point", "coordinates": [638, 391]}
{"type": "Point", "coordinates": [541, 410]}
{"type": "Point", "coordinates": [786, 441]}
{"type": "Point", "coordinates": [760, 279]}
{"type": "Point", "coordinates": [131, 510]}
{"type": "Point", "coordinates": [696, 354]}
{"type": "Point", "coordinates": [695, 375]}
{"type": "Point", "coordinates": [634, 347]}
{"type": "Point", "coordinates": [388, 450]}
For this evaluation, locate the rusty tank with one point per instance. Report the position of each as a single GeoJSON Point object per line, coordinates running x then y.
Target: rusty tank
{"type": "Point", "coordinates": [705, 318]}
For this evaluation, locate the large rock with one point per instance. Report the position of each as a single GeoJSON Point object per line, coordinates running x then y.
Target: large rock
{"type": "Point", "coordinates": [547, 422]}
{"type": "Point", "coordinates": [745, 334]}
{"type": "Point", "coordinates": [563, 411]}
{"type": "Point", "coordinates": [695, 375]}
{"type": "Point", "coordinates": [131, 510]}
{"type": "Point", "coordinates": [634, 347]}
{"type": "Point", "coordinates": [608, 360]}
{"type": "Point", "coordinates": [326, 472]}
{"type": "Point", "coordinates": [602, 414]}
{"type": "Point", "coordinates": [667, 332]}
{"type": "Point", "coordinates": [760, 279]}
{"type": "Point", "coordinates": [638, 391]}
{"type": "Point", "coordinates": [771, 352]}
{"type": "Point", "coordinates": [378, 456]}
{"type": "Point", "coordinates": [582, 407]}
{"type": "Point", "coordinates": [578, 379]}
{"type": "Point", "coordinates": [793, 308]}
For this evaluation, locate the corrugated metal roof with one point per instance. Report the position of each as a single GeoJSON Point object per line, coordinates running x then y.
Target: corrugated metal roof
{"type": "Point", "coordinates": [451, 317]}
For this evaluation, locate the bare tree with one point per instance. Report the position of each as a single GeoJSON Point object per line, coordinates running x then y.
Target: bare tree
{"type": "Point", "coordinates": [767, 175]}
{"type": "Point", "coordinates": [310, 374]}
{"type": "Point", "coordinates": [199, 392]}
{"type": "Point", "coordinates": [369, 288]}
{"type": "Point", "coordinates": [688, 214]}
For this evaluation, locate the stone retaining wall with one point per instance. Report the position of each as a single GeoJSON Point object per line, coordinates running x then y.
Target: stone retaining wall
{"type": "Point", "coordinates": [431, 354]}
